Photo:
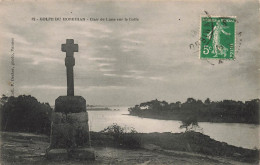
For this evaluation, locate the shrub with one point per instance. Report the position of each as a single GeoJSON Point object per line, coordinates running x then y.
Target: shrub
{"type": "Point", "coordinates": [190, 124]}
{"type": "Point", "coordinates": [123, 136]}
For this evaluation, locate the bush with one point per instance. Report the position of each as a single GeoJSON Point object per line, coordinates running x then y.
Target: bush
{"type": "Point", "coordinates": [123, 136]}
{"type": "Point", "coordinates": [190, 124]}
{"type": "Point", "coordinates": [26, 114]}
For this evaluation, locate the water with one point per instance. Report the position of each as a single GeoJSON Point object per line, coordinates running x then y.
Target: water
{"type": "Point", "coordinates": [241, 135]}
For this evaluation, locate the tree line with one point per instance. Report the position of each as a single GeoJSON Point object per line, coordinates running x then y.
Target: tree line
{"type": "Point", "coordinates": [209, 111]}
{"type": "Point", "coordinates": [25, 114]}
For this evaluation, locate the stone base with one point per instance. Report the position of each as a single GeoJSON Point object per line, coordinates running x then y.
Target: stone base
{"type": "Point", "coordinates": [75, 154]}
{"type": "Point", "coordinates": [70, 104]}
{"type": "Point", "coordinates": [69, 130]}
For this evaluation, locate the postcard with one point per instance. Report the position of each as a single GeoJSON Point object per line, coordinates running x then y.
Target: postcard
{"type": "Point", "coordinates": [129, 82]}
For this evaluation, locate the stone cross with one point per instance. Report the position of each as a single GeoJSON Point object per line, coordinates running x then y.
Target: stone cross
{"type": "Point", "coordinates": [69, 48]}
{"type": "Point", "coordinates": [70, 132]}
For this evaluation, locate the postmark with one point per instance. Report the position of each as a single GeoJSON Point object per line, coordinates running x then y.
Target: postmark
{"type": "Point", "coordinates": [217, 37]}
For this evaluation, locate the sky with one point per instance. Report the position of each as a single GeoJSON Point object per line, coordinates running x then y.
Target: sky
{"type": "Point", "coordinates": [127, 62]}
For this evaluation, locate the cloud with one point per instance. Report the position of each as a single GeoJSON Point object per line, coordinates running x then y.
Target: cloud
{"type": "Point", "coordinates": [43, 87]}
{"type": "Point", "coordinates": [127, 62]}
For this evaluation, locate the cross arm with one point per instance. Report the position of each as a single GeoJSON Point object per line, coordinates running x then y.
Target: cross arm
{"type": "Point", "coordinates": [75, 47]}
{"type": "Point", "coordinates": [63, 47]}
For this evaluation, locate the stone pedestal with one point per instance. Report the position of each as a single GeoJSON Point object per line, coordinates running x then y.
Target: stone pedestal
{"type": "Point", "coordinates": [70, 104]}
{"type": "Point", "coordinates": [70, 131]}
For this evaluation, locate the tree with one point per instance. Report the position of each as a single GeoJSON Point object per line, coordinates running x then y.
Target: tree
{"type": "Point", "coordinates": [207, 101]}
{"type": "Point", "coordinates": [190, 100]}
{"type": "Point", "coordinates": [3, 100]}
{"type": "Point", "coordinates": [25, 113]}
{"type": "Point", "coordinates": [189, 123]}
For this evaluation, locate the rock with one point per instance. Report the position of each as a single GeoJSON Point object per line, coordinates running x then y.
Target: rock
{"type": "Point", "coordinates": [237, 154]}
{"type": "Point", "coordinates": [82, 154]}
{"type": "Point", "coordinates": [57, 154]}
{"type": "Point", "coordinates": [188, 148]}
{"type": "Point", "coordinates": [152, 147]}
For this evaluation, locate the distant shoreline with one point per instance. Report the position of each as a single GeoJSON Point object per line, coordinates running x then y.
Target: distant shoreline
{"type": "Point", "coordinates": [99, 108]}
{"type": "Point", "coordinates": [225, 111]}
{"type": "Point", "coordinates": [94, 108]}
{"type": "Point", "coordinates": [179, 119]}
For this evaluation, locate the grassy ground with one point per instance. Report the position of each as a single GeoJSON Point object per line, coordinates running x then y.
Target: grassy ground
{"type": "Point", "coordinates": [155, 148]}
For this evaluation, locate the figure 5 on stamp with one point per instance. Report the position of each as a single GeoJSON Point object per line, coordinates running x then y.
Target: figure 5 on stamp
{"type": "Point", "coordinates": [217, 41]}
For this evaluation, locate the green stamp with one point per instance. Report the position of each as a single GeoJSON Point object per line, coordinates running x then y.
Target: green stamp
{"type": "Point", "coordinates": [217, 37]}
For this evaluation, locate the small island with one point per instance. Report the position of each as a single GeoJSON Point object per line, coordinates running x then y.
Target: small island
{"type": "Point", "coordinates": [226, 111]}
{"type": "Point", "coordinates": [97, 108]}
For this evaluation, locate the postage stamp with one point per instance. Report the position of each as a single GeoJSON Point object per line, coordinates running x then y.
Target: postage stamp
{"type": "Point", "coordinates": [217, 37]}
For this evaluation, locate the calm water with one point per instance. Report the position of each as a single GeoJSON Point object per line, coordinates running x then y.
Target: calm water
{"type": "Point", "coordinates": [242, 135]}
